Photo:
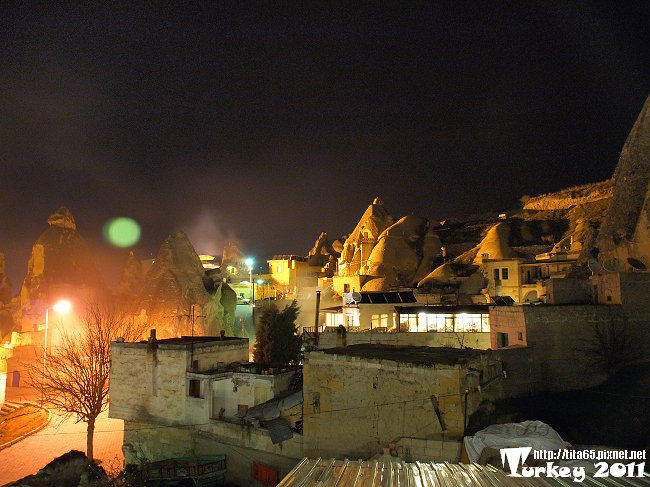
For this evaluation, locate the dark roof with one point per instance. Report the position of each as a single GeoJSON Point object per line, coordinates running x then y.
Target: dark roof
{"type": "Point", "coordinates": [333, 308]}
{"type": "Point", "coordinates": [395, 297]}
{"type": "Point", "coordinates": [468, 308]}
{"type": "Point", "coordinates": [408, 354]}
{"type": "Point", "coordinates": [279, 430]}
{"type": "Point", "coordinates": [187, 340]}
{"type": "Point", "coordinates": [299, 258]}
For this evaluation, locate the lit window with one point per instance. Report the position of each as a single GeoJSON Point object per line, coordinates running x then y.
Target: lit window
{"type": "Point", "coordinates": [408, 322]}
{"type": "Point", "coordinates": [279, 268]}
{"type": "Point", "coordinates": [468, 322]}
{"type": "Point", "coordinates": [485, 323]}
{"type": "Point", "coordinates": [379, 320]}
{"type": "Point", "coordinates": [504, 274]}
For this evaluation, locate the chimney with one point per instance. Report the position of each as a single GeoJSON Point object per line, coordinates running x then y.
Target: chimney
{"type": "Point", "coordinates": [316, 317]}
{"type": "Point", "coordinates": [152, 343]}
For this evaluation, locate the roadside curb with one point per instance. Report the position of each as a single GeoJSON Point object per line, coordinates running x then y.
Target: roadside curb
{"type": "Point", "coordinates": [35, 430]}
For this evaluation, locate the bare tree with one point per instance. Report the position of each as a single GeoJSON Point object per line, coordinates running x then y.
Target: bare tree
{"type": "Point", "coordinates": [75, 380]}
{"type": "Point", "coordinates": [609, 346]}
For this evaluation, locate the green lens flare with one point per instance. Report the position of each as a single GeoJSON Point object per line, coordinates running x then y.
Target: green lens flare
{"type": "Point", "coordinates": [122, 232]}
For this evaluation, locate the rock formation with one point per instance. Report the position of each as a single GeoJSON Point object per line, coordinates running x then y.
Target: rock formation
{"type": "Point", "coordinates": [177, 293]}
{"type": "Point", "coordinates": [323, 254]}
{"type": "Point", "coordinates": [625, 232]}
{"type": "Point", "coordinates": [61, 266]}
{"type": "Point", "coordinates": [6, 292]}
{"type": "Point", "coordinates": [364, 236]}
{"type": "Point", "coordinates": [495, 245]}
{"type": "Point", "coordinates": [131, 276]}
{"type": "Point", "coordinates": [397, 256]}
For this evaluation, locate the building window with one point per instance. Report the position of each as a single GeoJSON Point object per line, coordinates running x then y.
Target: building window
{"type": "Point", "coordinates": [408, 322]}
{"type": "Point", "coordinates": [520, 336]}
{"type": "Point", "coordinates": [378, 321]}
{"type": "Point", "coordinates": [502, 340]}
{"type": "Point", "coordinates": [468, 322]}
{"type": "Point", "coordinates": [195, 388]}
{"type": "Point", "coordinates": [504, 274]}
{"type": "Point", "coordinates": [496, 274]}
{"type": "Point", "coordinates": [279, 268]}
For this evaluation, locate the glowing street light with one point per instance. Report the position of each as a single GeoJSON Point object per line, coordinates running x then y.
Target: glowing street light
{"type": "Point", "coordinates": [61, 307]}
{"type": "Point", "coordinates": [249, 263]}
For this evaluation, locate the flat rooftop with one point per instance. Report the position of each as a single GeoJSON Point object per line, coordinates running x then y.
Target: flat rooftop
{"type": "Point", "coordinates": [408, 354]}
{"type": "Point", "coordinates": [188, 341]}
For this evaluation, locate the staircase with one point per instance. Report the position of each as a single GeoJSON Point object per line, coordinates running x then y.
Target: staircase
{"type": "Point", "coordinates": [8, 407]}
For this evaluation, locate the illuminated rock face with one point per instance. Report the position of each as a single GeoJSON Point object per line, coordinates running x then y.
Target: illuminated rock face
{"type": "Point", "coordinates": [626, 229]}
{"type": "Point", "coordinates": [364, 236]}
{"type": "Point", "coordinates": [323, 254]}
{"type": "Point", "coordinates": [177, 295]}
{"type": "Point", "coordinates": [131, 277]}
{"type": "Point", "coordinates": [60, 267]}
{"type": "Point", "coordinates": [398, 254]}
{"type": "Point", "coordinates": [6, 291]}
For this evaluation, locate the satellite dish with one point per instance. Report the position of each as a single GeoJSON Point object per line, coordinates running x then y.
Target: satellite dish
{"type": "Point", "coordinates": [347, 297]}
{"type": "Point", "coordinates": [636, 263]}
{"type": "Point", "coordinates": [356, 297]}
{"type": "Point", "coordinates": [594, 266]}
{"type": "Point", "coordinates": [613, 264]}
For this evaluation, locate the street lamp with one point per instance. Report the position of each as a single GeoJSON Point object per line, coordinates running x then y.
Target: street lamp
{"type": "Point", "coordinates": [61, 307]}
{"type": "Point", "coordinates": [249, 263]}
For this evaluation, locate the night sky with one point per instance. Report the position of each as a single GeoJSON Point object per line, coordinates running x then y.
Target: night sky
{"type": "Point", "coordinates": [270, 124]}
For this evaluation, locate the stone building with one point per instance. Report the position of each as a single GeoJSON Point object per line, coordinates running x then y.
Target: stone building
{"type": "Point", "coordinates": [359, 399]}
{"type": "Point", "coordinates": [188, 396]}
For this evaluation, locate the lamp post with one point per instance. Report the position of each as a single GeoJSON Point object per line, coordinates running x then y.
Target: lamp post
{"type": "Point", "coordinates": [249, 263]}
{"type": "Point", "coordinates": [61, 307]}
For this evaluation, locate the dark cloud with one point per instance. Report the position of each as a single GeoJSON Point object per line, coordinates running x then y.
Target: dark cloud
{"type": "Point", "coordinates": [273, 123]}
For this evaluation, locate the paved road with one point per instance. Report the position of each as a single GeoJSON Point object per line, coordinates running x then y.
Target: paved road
{"type": "Point", "coordinates": [60, 436]}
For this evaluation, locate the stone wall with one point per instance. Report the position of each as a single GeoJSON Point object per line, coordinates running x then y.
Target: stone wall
{"type": "Point", "coordinates": [427, 450]}
{"type": "Point", "coordinates": [242, 446]}
{"type": "Point", "coordinates": [479, 340]}
{"type": "Point", "coordinates": [147, 385]}
{"type": "Point", "coordinates": [520, 374]}
{"type": "Point", "coordinates": [560, 339]}
{"type": "Point", "coordinates": [569, 291]}
{"type": "Point", "coordinates": [355, 406]}
{"type": "Point", "coordinates": [152, 384]}
{"type": "Point", "coordinates": [559, 336]}
{"type": "Point", "coordinates": [510, 321]}
{"type": "Point", "coordinates": [635, 300]}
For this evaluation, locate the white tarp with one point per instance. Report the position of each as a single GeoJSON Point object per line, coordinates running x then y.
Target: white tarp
{"type": "Point", "coordinates": [535, 434]}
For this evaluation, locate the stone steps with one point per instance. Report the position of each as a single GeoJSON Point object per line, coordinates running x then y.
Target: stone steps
{"type": "Point", "coordinates": [8, 407]}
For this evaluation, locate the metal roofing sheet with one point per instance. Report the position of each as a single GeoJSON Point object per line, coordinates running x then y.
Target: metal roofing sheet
{"type": "Point", "coordinates": [279, 430]}
{"type": "Point", "coordinates": [385, 473]}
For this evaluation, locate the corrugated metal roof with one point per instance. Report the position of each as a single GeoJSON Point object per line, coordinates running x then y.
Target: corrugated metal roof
{"type": "Point", "coordinates": [386, 473]}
